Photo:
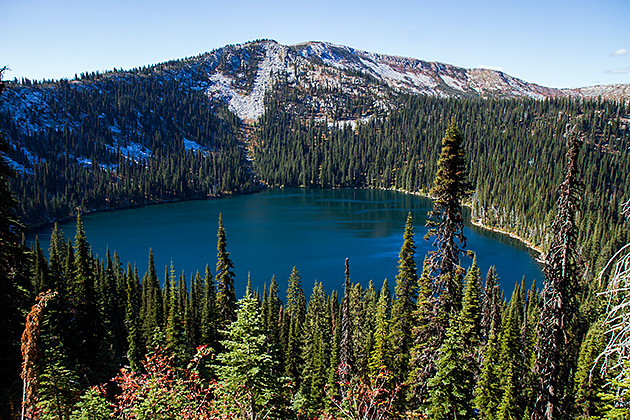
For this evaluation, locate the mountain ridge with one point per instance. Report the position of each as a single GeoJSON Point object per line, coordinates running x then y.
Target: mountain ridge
{"type": "Point", "coordinates": [242, 74]}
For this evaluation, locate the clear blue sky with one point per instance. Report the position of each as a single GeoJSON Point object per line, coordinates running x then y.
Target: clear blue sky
{"type": "Point", "coordinates": [556, 43]}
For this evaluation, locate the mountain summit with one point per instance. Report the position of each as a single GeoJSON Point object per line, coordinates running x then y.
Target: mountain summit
{"type": "Point", "coordinates": [323, 65]}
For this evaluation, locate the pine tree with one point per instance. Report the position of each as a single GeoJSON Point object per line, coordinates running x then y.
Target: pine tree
{"type": "Point", "coordinates": [153, 306]}
{"type": "Point", "coordinates": [208, 323]}
{"type": "Point", "coordinates": [346, 348]}
{"type": "Point", "coordinates": [132, 311]}
{"type": "Point", "coordinates": [226, 297]}
{"type": "Point", "coordinates": [293, 319]}
{"type": "Point", "coordinates": [451, 188]}
{"type": "Point", "coordinates": [425, 345]}
{"type": "Point", "coordinates": [451, 389]}
{"type": "Point", "coordinates": [246, 366]}
{"type": "Point", "coordinates": [88, 328]}
{"type": "Point", "coordinates": [404, 305]}
{"type": "Point", "coordinates": [380, 357]}
{"type": "Point", "coordinates": [556, 350]}
{"type": "Point", "coordinates": [512, 367]}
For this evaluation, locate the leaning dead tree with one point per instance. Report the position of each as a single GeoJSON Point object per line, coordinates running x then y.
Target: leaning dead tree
{"type": "Point", "coordinates": [616, 356]}
{"type": "Point", "coordinates": [30, 336]}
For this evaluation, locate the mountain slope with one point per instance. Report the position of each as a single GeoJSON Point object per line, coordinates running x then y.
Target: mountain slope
{"type": "Point", "coordinates": [175, 130]}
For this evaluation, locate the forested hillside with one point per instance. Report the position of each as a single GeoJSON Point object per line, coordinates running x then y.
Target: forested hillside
{"type": "Point", "coordinates": [104, 341]}
{"type": "Point", "coordinates": [515, 150]}
{"type": "Point", "coordinates": [118, 141]}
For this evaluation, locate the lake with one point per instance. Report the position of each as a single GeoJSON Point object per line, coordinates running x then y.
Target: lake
{"type": "Point", "coordinates": [271, 231]}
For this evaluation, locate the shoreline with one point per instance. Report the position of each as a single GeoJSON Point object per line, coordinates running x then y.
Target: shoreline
{"type": "Point", "coordinates": [476, 223]}
{"type": "Point", "coordinates": [480, 225]}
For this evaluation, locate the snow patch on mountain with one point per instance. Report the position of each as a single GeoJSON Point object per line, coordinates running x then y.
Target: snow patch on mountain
{"type": "Point", "coordinates": [250, 106]}
{"type": "Point", "coordinates": [134, 151]}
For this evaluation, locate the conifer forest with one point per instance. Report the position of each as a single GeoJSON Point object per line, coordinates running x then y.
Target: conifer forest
{"type": "Point", "coordinates": [95, 337]}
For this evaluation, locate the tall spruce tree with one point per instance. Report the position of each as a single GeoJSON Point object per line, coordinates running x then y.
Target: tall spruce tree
{"type": "Point", "coordinates": [224, 278]}
{"type": "Point", "coordinates": [512, 367]}
{"type": "Point", "coordinates": [404, 305]}
{"type": "Point", "coordinates": [346, 348]}
{"type": "Point", "coordinates": [208, 314]}
{"type": "Point", "coordinates": [451, 389]}
{"type": "Point", "coordinates": [87, 320]}
{"type": "Point", "coordinates": [425, 343]}
{"type": "Point", "coordinates": [446, 223]}
{"type": "Point", "coordinates": [135, 348]}
{"type": "Point", "coordinates": [153, 310]}
{"type": "Point", "coordinates": [292, 322]}
{"type": "Point", "coordinates": [246, 365]}
{"type": "Point", "coordinates": [380, 356]}
{"type": "Point", "coordinates": [557, 347]}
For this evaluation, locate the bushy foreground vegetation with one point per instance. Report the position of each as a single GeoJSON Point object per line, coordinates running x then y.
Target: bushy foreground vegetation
{"type": "Point", "coordinates": [108, 343]}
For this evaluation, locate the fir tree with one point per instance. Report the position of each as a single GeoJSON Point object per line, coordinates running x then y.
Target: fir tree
{"type": "Point", "coordinates": [425, 344]}
{"type": "Point", "coordinates": [132, 312]}
{"type": "Point", "coordinates": [451, 188]}
{"type": "Point", "coordinates": [293, 320]}
{"type": "Point", "coordinates": [246, 366]}
{"type": "Point", "coordinates": [380, 356]}
{"type": "Point", "coordinates": [512, 369]}
{"type": "Point", "coordinates": [226, 297]}
{"type": "Point", "coordinates": [346, 353]}
{"type": "Point", "coordinates": [208, 324]}
{"type": "Point", "coordinates": [153, 310]}
{"type": "Point", "coordinates": [404, 305]}
{"type": "Point", "coordinates": [451, 389]}
{"type": "Point", "coordinates": [88, 328]}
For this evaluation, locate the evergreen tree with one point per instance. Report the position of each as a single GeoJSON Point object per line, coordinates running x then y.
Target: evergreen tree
{"type": "Point", "coordinates": [425, 344]}
{"type": "Point", "coordinates": [208, 325]}
{"type": "Point", "coordinates": [175, 335]}
{"type": "Point", "coordinates": [488, 391]}
{"type": "Point", "coordinates": [226, 297]}
{"type": "Point", "coordinates": [492, 304]}
{"type": "Point", "coordinates": [451, 389]}
{"type": "Point", "coordinates": [588, 379]}
{"type": "Point", "coordinates": [380, 356]}
{"type": "Point", "coordinates": [512, 369]}
{"type": "Point", "coordinates": [451, 188]}
{"type": "Point", "coordinates": [346, 348]}
{"type": "Point", "coordinates": [272, 311]}
{"type": "Point", "coordinates": [293, 319]}
{"type": "Point", "coordinates": [246, 366]}
{"type": "Point", "coordinates": [315, 342]}
{"type": "Point", "coordinates": [132, 311]}
{"type": "Point", "coordinates": [404, 305]}
{"type": "Point", "coordinates": [87, 322]}
{"type": "Point", "coordinates": [556, 350]}
{"type": "Point", "coordinates": [153, 310]}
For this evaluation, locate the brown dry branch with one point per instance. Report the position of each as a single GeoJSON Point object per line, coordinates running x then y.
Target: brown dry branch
{"type": "Point", "coordinates": [30, 352]}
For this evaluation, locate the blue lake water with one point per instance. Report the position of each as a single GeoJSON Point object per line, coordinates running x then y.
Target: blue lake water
{"type": "Point", "coordinates": [271, 231]}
